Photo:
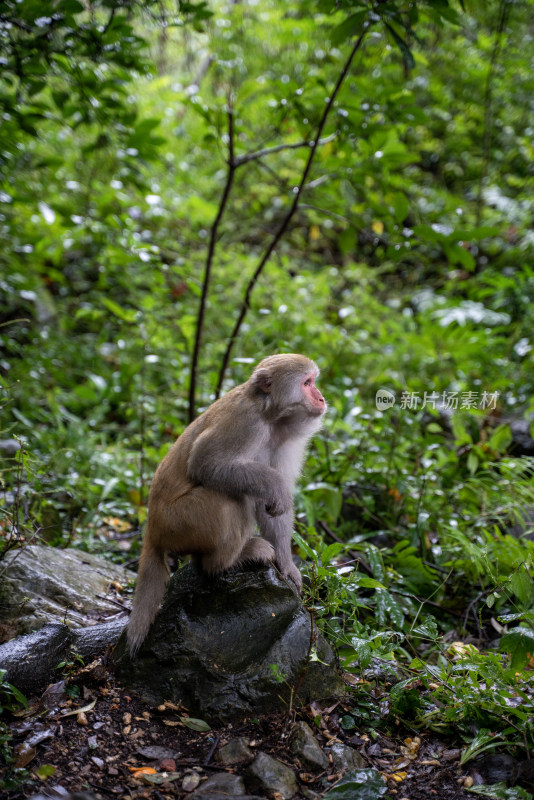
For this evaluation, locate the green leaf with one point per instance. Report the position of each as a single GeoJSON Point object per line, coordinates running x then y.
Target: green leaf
{"type": "Point", "coordinates": [403, 47]}
{"type": "Point", "coordinates": [195, 724]}
{"type": "Point", "coordinates": [330, 552]}
{"type": "Point", "coordinates": [329, 498]}
{"type": "Point", "coordinates": [519, 643]}
{"type": "Point", "coordinates": [521, 584]}
{"type": "Point", "coordinates": [348, 723]}
{"type": "Point", "coordinates": [499, 791]}
{"type": "Point", "coordinates": [401, 206]}
{"type": "Point", "coordinates": [472, 462]}
{"type": "Point", "coordinates": [128, 315]}
{"type": "Point", "coordinates": [363, 784]}
{"type": "Point", "coordinates": [387, 606]}
{"type": "Point", "coordinates": [303, 544]}
{"type": "Point", "coordinates": [8, 689]}
{"type": "Point", "coordinates": [161, 777]}
{"type": "Point", "coordinates": [362, 650]}
{"type": "Point", "coordinates": [501, 439]}
{"type": "Point", "coordinates": [521, 615]}
{"type": "Point", "coordinates": [369, 583]}
{"type": "Point", "coordinates": [25, 421]}
{"type": "Point", "coordinates": [459, 255]}
{"type": "Point", "coordinates": [45, 771]}
{"type": "Point", "coordinates": [352, 26]}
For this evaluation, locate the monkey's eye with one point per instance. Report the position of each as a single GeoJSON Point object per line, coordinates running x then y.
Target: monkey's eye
{"type": "Point", "coordinates": [308, 382]}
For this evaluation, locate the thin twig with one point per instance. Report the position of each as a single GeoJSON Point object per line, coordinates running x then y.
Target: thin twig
{"type": "Point", "coordinates": [209, 260]}
{"type": "Point", "coordinates": [267, 151]}
{"type": "Point", "coordinates": [504, 12]}
{"type": "Point", "coordinates": [287, 219]}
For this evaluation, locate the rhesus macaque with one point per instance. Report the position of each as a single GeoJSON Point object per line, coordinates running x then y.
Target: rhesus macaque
{"type": "Point", "coordinates": [234, 466]}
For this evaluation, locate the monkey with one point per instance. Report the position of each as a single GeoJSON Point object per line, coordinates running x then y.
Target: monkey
{"type": "Point", "coordinates": [235, 466]}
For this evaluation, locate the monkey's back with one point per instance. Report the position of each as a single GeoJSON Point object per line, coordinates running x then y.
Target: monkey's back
{"type": "Point", "coordinates": [170, 480]}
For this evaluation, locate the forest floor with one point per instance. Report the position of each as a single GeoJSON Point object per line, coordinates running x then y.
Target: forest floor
{"type": "Point", "coordinates": [112, 744]}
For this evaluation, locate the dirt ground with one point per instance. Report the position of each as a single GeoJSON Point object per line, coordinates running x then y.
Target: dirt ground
{"type": "Point", "coordinates": [110, 743]}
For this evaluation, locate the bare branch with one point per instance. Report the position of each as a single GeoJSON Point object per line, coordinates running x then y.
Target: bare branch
{"type": "Point", "coordinates": [288, 217]}
{"type": "Point", "coordinates": [267, 151]}
{"type": "Point", "coordinates": [209, 260]}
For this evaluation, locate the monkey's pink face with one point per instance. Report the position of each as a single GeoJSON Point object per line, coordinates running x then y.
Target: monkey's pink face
{"type": "Point", "coordinates": [312, 394]}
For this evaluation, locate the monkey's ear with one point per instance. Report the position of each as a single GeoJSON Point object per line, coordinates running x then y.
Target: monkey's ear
{"type": "Point", "coordinates": [263, 380]}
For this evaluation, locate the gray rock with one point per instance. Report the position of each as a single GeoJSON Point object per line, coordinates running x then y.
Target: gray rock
{"type": "Point", "coordinates": [522, 442]}
{"type": "Point", "coordinates": [156, 752]}
{"type": "Point", "coordinates": [272, 777]}
{"type": "Point", "coordinates": [41, 584]}
{"type": "Point", "coordinates": [9, 446]}
{"type": "Point", "coordinates": [306, 748]}
{"type": "Point", "coordinates": [31, 661]}
{"type": "Point", "coordinates": [216, 639]}
{"type": "Point", "coordinates": [345, 758]}
{"type": "Point", "coordinates": [235, 752]}
{"type": "Point", "coordinates": [221, 784]}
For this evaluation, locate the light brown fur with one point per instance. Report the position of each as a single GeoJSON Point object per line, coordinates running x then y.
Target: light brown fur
{"type": "Point", "coordinates": [234, 466]}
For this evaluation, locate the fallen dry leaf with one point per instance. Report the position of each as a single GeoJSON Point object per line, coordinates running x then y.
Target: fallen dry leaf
{"type": "Point", "coordinates": [142, 771]}
{"type": "Point", "coordinates": [80, 710]}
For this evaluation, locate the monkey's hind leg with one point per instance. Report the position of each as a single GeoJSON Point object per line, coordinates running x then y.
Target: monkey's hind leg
{"type": "Point", "coordinates": [256, 549]}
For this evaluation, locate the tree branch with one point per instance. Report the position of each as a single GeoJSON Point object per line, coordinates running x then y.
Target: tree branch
{"type": "Point", "coordinates": [209, 260]}
{"type": "Point", "coordinates": [248, 157]}
{"type": "Point", "coordinates": [504, 12]}
{"type": "Point", "coordinates": [287, 219]}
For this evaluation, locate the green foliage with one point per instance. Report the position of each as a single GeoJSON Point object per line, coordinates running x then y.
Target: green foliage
{"type": "Point", "coordinates": [499, 791]}
{"type": "Point", "coordinates": [11, 699]}
{"type": "Point", "coordinates": [407, 266]}
{"type": "Point", "coordinates": [364, 784]}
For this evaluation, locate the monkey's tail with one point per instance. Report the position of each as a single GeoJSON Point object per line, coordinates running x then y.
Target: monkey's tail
{"type": "Point", "coordinates": [151, 581]}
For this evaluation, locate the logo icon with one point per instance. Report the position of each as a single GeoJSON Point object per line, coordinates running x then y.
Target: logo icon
{"type": "Point", "coordinates": [384, 399]}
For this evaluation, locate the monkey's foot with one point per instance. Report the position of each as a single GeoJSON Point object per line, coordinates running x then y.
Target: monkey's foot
{"type": "Point", "coordinates": [256, 549]}
{"type": "Point", "coordinates": [294, 573]}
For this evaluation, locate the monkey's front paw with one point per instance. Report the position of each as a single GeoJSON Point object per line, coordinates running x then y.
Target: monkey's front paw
{"type": "Point", "coordinates": [278, 506]}
{"type": "Point", "coordinates": [294, 573]}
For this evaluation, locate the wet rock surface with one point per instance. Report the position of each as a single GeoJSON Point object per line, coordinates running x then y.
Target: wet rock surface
{"type": "Point", "coordinates": [230, 646]}
{"type": "Point", "coordinates": [345, 758]}
{"type": "Point", "coordinates": [305, 746]}
{"type": "Point", "coordinates": [236, 751]}
{"type": "Point", "coordinates": [31, 661]}
{"type": "Point", "coordinates": [272, 777]}
{"type": "Point", "coordinates": [41, 584]}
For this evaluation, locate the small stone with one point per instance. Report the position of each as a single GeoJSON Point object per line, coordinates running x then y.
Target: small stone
{"type": "Point", "coordinates": [221, 784]}
{"type": "Point", "coordinates": [272, 777]}
{"type": "Point", "coordinates": [346, 758]}
{"type": "Point", "coordinates": [190, 782]}
{"type": "Point", "coordinates": [236, 751]}
{"type": "Point", "coordinates": [156, 752]}
{"type": "Point", "coordinates": [305, 746]}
